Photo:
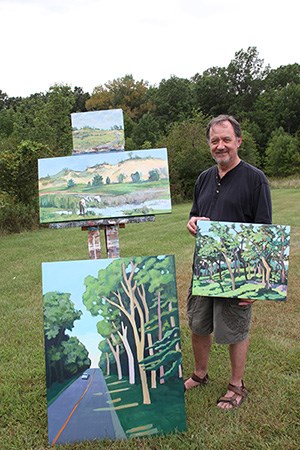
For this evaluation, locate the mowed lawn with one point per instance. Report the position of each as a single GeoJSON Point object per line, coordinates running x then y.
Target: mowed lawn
{"type": "Point", "coordinates": [269, 418]}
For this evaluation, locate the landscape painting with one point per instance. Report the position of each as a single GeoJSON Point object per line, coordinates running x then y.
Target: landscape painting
{"type": "Point", "coordinates": [247, 261]}
{"type": "Point", "coordinates": [112, 349]}
{"type": "Point", "coordinates": [104, 185]}
{"type": "Point", "coordinates": [98, 131]}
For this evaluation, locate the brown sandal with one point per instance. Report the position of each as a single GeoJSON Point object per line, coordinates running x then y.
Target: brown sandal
{"type": "Point", "coordinates": [238, 391]}
{"type": "Point", "coordinates": [200, 381]}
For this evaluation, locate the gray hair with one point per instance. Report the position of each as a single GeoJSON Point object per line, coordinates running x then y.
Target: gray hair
{"type": "Point", "coordinates": [225, 118]}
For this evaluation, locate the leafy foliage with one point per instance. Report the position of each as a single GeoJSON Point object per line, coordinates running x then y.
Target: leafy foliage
{"type": "Point", "coordinates": [173, 114]}
{"type": "Point", "coordinates": [65, 355]}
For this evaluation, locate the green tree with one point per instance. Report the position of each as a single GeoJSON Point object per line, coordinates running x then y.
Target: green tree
{"type": "Point", "coordinates": [136, 177]}
{"type": "Point", "coordinates": [211, 91]}
{"type": "Point", "coordinates": [153, 175]}
{"type": "Point", "coordinates": [188, 155]}
{"type": "Point", "coordinates": [19, 173]}
{"type": "Point", "coordinates": [75, 356]}
{"type": "Point", "coordinates": [97, 180]}
{"type": "Point", "coordinates": [81, 98]}
{"type": "Point", "coordinates": [7, 117]}
{"type": "Point", "coordinates": [174, 101]}
{"type": "Point", "coordinates": [282, 155]}
{"type": "Point", "coordinates": [248, 150]}
{"type": "Point", "coordinates": [52, 125]}
{"type": "Point", "coordinates": [121, 177]}
{"type": "Point", "coordinates": [146, 130]}
{"type": "Point", "coordinates": [65, 355]}
{"type": "Point", "coordinates": [245, 76]}
{"type": "Point", "coordinates": [71, 183]}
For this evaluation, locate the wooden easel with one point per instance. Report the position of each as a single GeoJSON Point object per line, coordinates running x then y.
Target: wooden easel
{"type": "Point", "coordinates": [111, 233]}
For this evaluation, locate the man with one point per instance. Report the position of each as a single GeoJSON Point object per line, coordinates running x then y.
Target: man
{"type": "Point", "coordinates": [233, 191]}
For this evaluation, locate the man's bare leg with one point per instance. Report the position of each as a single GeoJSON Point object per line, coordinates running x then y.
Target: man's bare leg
{"type": "Point", "coordinates": [238, 357]}
{"type": "Point", "coordinates": [201, 348]}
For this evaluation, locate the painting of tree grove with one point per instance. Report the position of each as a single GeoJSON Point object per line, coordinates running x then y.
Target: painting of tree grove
{"type": "Point", "coordinates": [112, 349]}
{"type": "Point", "coordinates": [247, 261]}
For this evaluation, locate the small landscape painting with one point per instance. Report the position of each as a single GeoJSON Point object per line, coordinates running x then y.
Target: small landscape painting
{"type": "Point", "coordinates": [104, 185]}
{"type": "Point", "coordinates": [112, 349]}
{"type": "Point", "coordinates": [240, 260]}
{"type": "Point", "coordinates": [98, 131]}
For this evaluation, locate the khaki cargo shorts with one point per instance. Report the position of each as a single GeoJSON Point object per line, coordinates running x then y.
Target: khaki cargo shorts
{"type": "Point", "coordinates": [229, 322]}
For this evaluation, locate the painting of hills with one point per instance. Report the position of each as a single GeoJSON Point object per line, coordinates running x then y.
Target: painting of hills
{"type": "Point", "coordinates": [98, 131]}
{"type": "Point", "coordinates": [104, 185]}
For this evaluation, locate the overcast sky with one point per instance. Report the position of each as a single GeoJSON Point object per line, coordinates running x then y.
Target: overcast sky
{"type": "Point", "coordinates": [86, 43]}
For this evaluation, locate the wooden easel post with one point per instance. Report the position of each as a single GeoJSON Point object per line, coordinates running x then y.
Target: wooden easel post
{"type": "Point", "coordinates": [111, 233]}
{"type": "Point", "coordinates": [94, 243]}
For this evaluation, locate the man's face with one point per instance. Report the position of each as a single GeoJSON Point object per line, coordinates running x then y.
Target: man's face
{"type": "Point", "coordinates": [224, 144]}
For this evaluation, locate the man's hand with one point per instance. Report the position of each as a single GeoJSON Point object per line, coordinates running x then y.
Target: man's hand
{"type": "Point", "coordinates": [192, 224]}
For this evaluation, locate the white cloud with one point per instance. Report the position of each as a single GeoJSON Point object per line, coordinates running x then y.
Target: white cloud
{"type": "Point", "coordinates": [89, 42]}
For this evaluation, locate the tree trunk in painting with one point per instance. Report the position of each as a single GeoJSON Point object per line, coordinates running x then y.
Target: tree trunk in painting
{"type": "Point", "coordinates": [107, 364]}
{"type": "Point", "coordinates": [268, 272]}
{"type": "Point", "coordinates": [177, 347]}
{"type": "Point", "coordinates": [282, 273]}
{"type": "Point", "coordinates": [228, 262]}
{"type": "Point", "coordinates": [160, 336]}
{"type": "Point", "coordinates": [138, 332]}
{"type": "Point", "coordinates": [129, 353]}
{"type": "Point", "coordinates": [142, 295]}
{"type": "Point", "coordinates": [116, 353]}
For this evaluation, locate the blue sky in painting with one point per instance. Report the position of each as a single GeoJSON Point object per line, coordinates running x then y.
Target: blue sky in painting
{"type": "Point", "coordinates": [51, 166]}
{"type": "Point", "coordinates": [68, 277]}
{"type": "Point", "coordinates": [102, 120]}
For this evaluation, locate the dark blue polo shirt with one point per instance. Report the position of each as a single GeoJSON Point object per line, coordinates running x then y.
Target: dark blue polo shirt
{"type": "Point", "coordinates": [242, 195]}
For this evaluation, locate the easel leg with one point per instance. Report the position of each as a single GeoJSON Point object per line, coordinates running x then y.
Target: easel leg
{"type": "Point", "coordinates": [94, 244]}
{"type": "Point", "coordinates": [112, 241]}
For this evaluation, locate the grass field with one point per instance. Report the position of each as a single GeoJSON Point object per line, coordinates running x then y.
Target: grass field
{"type": "Point", "coordinates": [270, 417]}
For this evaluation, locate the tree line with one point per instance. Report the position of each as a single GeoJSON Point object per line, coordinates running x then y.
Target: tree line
{"type": "Point", "coordinates": [172, 114]}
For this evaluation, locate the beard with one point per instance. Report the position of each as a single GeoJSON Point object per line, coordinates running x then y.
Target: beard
{"type": "Point", "coordinates": [222, 158]}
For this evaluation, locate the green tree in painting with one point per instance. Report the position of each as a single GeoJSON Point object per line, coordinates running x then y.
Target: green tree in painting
{"type": "Point", "coordinates": [153, 175]}
{"type": "Point", "coordinates": [227, 245]}
{"type": "Point", "coordinates": [75, 355]}
{"type": "Point", "coordinates": [121, 177]}
{"type": "Point", "coordinates": [106, 329]}
{"type": "Point", "coordinates": [97, 180]}
{"type": "Point", "coordinates": [121, 294]}
{"type": "Point", "coordinates": [71, 183]}
{"type": "Point", "coordinates": [65, 356]}
{"type": "Point", "coordinates": [158, 275]}
{"type": "Point", "coordinates": [135, 177]}
{"type": "Point", "coordinates": [260, 251]}
{"type": "Point", "coordinates": [116, 287]}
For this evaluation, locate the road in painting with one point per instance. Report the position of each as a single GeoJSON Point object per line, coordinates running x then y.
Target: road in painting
{"type": "Point", "coordinates": [104, 185]}
{"type": "Point", "coordinates": [241, 260]}
{"type": "Point", "coordinates": [84, 411]}
{"type": "Point", "coordinates": [117, 320]}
